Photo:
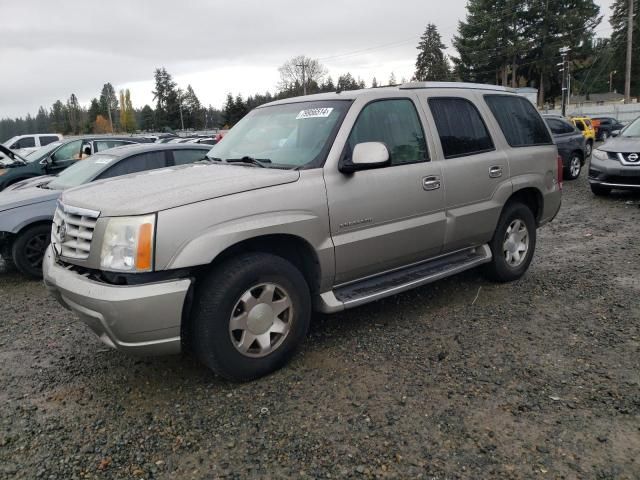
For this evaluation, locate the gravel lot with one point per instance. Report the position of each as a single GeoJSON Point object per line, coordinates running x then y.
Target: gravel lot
{"type": "Point", "coordinates": [460, 379]}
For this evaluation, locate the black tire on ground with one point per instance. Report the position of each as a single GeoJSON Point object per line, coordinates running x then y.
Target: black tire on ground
{"type": "Point", "coordinates": [588, 148]}
{"type": "Point", "coordinates": [600, 191]}
{"type": "Point", "coordinates": [5, 253]}
{"type": "Point", "coordinates": [28, 249]}
{"type": "Point", "coordinates": [577, 159]}
{"type": "Point", "coordinates": [216, 299]}
{"type": "Point", "coordinates": [499, 269]}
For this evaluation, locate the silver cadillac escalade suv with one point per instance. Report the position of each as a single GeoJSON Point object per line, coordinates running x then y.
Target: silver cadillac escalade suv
{"type": "Point", "coordinates": [322, 202]}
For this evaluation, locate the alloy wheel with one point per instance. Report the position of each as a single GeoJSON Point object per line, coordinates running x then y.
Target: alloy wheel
{"type": "Point", "coordinates": [516, 243]}
{"type": "Point", "coordinates": [261, 320]}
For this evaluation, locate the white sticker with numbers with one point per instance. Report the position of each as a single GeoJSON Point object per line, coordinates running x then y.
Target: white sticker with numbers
{"type": "Point", "coordinates": [315, 113]}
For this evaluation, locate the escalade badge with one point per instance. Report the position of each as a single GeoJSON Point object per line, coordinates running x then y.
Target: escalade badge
{"type": "Point", "coordinates": [62, 232]}
{"type": "Point", "coordinates": [633, 157]}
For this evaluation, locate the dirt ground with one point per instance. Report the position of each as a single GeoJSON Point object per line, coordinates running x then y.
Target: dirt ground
{"type": "Point", "coordinates": [460, 379]}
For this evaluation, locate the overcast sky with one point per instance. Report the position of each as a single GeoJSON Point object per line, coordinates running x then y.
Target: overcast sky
{"type": "Point", "coordinates": [52, 49]}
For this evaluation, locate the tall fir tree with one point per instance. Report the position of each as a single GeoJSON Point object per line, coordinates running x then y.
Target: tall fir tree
{"type": "Point", "coordinates": [432, 64]}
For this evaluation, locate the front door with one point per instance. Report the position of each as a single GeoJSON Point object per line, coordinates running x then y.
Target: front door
{"type": "Point", "coordinates": [387, 217]}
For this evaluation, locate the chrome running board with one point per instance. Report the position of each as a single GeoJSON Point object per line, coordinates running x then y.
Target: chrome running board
{"type": "Point", "coordinates": [387, 284]}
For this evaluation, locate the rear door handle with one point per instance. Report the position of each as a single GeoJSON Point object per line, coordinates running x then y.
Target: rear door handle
{"type": "Point", "coordinates": [495, 171]}
{"type": "Point", "coordinates": [431, 183]}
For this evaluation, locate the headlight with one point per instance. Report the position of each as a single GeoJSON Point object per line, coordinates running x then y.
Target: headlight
{"type": "Point", "coordinates": [600, 154]}
{"type": "Point", "coordinates": [128, 244]}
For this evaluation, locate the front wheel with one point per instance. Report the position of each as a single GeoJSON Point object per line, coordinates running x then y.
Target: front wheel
{"type": "Point", "coordinates": [513, 244]}
{"type": "Point", "coordinates": [249, 315]}
{"type": "Point", "coordinates": [588, 149]}
{"type": "Point", "coordinates": [28, 249]}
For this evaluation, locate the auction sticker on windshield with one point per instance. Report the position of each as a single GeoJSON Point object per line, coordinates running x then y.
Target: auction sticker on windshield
{"type": "Point", "coordinates": [315, 113]}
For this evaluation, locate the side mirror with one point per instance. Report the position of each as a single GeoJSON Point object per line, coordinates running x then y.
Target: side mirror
{"type": "Point", "coordinates": [615, 133]}
{"type": "Point", "coordinates": [366, 156]}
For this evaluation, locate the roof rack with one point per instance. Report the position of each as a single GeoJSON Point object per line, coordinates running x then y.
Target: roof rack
{"type": "Point", "coordinates": [474, 86]}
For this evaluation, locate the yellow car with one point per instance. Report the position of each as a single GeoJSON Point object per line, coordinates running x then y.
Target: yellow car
{"type": "Point", "coordinates": [586, 127]}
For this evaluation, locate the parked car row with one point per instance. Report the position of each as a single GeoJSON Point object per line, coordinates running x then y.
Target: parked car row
{"type": "Point", "coordinates": [27, 208]}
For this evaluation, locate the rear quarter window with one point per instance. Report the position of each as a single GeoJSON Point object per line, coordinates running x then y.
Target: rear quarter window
{"type": "Point", "coordinates": [519, 120]}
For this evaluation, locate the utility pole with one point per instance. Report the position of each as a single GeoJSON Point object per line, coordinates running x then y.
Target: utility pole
{"type": "Point", "coordinates": [611, 74]}
{"type": "Point", "coordinates": [627, 75]}
{"type": "Point", "coordinates": [304, 76]}
{"type": "Point", "coordinates": [566, 79]}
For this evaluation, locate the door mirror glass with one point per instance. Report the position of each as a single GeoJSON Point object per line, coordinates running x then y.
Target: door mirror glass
{"type": "Point", "coordinates": [367, 155]}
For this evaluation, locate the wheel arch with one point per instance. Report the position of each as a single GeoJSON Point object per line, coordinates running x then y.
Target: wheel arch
{"type": "Point", "coordinates": [532, 198]}
{"type": "Point", "coordinates": [291, 247]}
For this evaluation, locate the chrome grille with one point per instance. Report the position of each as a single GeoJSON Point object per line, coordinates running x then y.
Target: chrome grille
{"type": "Point", "coordinates": [72, 231]}
{"type": "Point", "coordinates": [632, 158]}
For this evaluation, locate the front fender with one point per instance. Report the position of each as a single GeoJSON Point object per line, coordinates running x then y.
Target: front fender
{"type": "Point", "coordinates": [15, 219]}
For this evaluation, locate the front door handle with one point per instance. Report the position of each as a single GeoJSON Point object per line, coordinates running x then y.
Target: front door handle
{"type": "Point", "coordinates": [495, 171]}
{"type": "Point", "coordinates": [431, 183]}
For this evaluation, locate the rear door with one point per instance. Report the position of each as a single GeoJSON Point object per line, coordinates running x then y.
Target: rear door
{"type": "Point", "coordinates": [387, 217]}
{"type": "Point", "coordinates": [473, 169]}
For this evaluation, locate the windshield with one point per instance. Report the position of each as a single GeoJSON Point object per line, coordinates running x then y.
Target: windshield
{"type": "Point", "coordinates": [81, 172]}
{"type": "Point", "coordinates": [633, 130]}
{"type": "Point", "coordinates": [10, 141]}
{"type": "Point", "coordinates": [42, 152]}
{"type": "Point", "coordinates": [292, 135]}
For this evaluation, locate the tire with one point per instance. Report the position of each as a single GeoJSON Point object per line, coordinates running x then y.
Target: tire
{"type": "Point", "coordinates": [5, 253]}
{"type": "Point", "coordinates": [588, 148]}
{"type": "Point", "coordinates": [503, 266]}
{"type": "Point", "coordinates": [600, 191]}
{"type": "Point", "coordinates": [227, 296]}
{"type": "Point", "coordinates": [575, 167]}
{"type": "Point", "coordinates": [28, 249]}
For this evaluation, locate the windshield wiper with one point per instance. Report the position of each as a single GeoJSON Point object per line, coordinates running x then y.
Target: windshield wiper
{"type": "Point", "coordinates": [258, 162]}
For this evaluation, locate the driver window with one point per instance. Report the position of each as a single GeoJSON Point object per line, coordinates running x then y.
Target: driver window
{"type": "Point", "coordinates": [394, 123]}
{"type": "Point", "coordinates": [67, 152]}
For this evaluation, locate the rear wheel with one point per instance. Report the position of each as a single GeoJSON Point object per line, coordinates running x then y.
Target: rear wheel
{"type": "Point", "coordinates": [513, 244]}
{"type": "Point", "coordinates": [588, 148]}
{"type": "Point", "coordinates": [575, 167]}
{"type": "Point", "coordinates": [600, 191]}
{"type": "Point", "coordinates": [28, 249]}
{"type": "Point", "coordinates": [249, 315]}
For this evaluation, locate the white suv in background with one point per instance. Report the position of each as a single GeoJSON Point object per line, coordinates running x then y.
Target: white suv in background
{"type": "Point", "coordinates": [24, 144]}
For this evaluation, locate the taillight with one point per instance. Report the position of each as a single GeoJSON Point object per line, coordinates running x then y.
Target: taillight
{"type": "Point", "coordinates": [560, 168]}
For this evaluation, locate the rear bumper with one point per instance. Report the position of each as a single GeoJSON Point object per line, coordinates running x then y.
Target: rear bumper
{"type": "Point", "coordinates": [140, 319]}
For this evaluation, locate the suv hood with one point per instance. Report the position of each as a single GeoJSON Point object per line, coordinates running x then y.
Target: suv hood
{"type": "Point", "coordinates": [172, 187]}
{"type": "Point", "coordinates": [622, 145]}
{"type": "Point", "coordinates": [26, 196]}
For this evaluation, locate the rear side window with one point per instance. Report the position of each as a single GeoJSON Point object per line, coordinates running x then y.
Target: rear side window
{"type": "Point", "coordinates": [47, 139]}
{"type": "Point", "coordinates": [102, 145]}
{"type": "Point", "coordinates": [137, 163]}
{"type": "Point", "coordinates": [559, 127]}
{"type": "Point", "coordinates": [395, 123]}
{"type": "Point", "coordinates": [579, 125]}
{"type": "Point", "coordinates": [460, 127]}
{"type": "Point", "coordinates": [519, 120]}
{"type": "Point", "coordinates": [184, 157]}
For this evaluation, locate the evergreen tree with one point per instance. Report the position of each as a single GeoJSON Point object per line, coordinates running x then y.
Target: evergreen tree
{"type": "Point", "coordinates": [59, 118]}
{"type": "Point", "coordinates": [42, 121]}
{"type": "Point", "coordinates": [109, 104]}
{"type": "Point", "coordinates": [374, 83]}
{"type": "Point", "coordinates": [347, 82]}
{"type": "Point", "coordinates": [392, 79]}
{"type": "Point", "coordinates": [166, 97]}
{"type": "Point", "coordinates": [432, 64]}
{"type": "Point", "coordinates": [147, 118]}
